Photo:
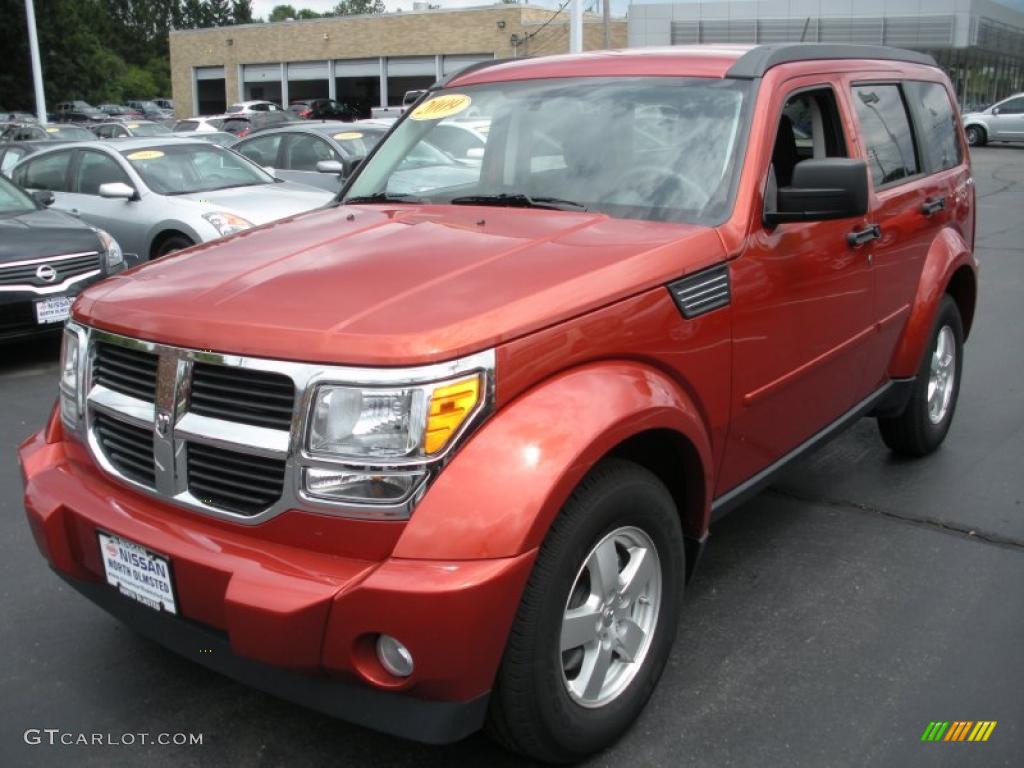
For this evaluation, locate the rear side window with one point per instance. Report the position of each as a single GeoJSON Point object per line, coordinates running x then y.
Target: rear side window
{"type": "Point", "coordinates": [262, 151]}
{"type": "Point", "coordinates": [47, 172]}
{"type": "Point", "coordinates": [885, 127]}
{"type": "Point", "coordinates": [936, 125]}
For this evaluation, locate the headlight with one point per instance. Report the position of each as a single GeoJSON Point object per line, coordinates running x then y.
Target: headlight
{"type": "Point", "coordinates": [227, 223]}
{"type": "Point", "coordinates": [69, 383]}
{"type": "Point", "coordinates": [406, 428]}
{"type": "Point", "coordinates": [111, 249]}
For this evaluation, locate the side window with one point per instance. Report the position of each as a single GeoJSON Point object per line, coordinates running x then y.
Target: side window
{"type": "Point", "coordinates": [10, 159]}
{"type": "Point", "coordinates": [885, 127]}
{"type": "Point", "coordinates": [303, 152]}
{"type": "Point", "coordinates": [47, 172]}
{"type": "Point", "coordinates": [936, 125]}
{"type": "Point", "coordinates": [1012, 106]}
{"type": "Point", "coordinates": [809, 127]}
{"type": "Point", "coordinates": [185, 125]}
{"type": "Point", "coordinates": [262, 150]}
{"type": "Point", "coordinates": [95, 168]}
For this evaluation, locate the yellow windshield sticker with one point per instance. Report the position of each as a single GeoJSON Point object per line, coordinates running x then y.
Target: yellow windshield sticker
{"type": "Point", "coordinates": [52, 130]}
{"type": "Point", "coordinates": [441, 106]}
{"type": "Point", "coordinates": [146, 154]}
{"type": "Point", "coordinates": [348, 136]}
{"type": "Point", "coordinates": [132, 125]}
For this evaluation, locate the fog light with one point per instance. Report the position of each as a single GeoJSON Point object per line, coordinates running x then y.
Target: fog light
{"type": "Point", "coordinates": [394, 656]}
{"type": "Point", "coordinates": [345, 485]}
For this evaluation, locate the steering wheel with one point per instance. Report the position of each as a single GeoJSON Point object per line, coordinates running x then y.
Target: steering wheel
{"type": "Point", "coordinates": [651, 179]}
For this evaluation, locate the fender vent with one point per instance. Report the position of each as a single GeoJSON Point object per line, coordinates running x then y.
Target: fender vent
{"type": "Point", "coordinates": [702, 292]}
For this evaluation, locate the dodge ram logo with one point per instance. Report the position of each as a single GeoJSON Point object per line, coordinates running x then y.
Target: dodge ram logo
{"type": "Point", "coordinates": [46, 273]}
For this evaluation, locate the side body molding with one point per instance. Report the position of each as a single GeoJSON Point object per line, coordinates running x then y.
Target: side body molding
{"type": "Point", "coordinates": [501, 492]}
{"type": "Point", "coordinates": [948, 253]}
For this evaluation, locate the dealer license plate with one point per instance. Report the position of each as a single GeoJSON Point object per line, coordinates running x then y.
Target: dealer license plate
{"type": "Point", "coordinates": [137, 573]}
{"type": "Point", "coordinates": [55, 309]}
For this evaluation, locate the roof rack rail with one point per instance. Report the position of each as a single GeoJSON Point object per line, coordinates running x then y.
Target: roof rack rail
{"type": "Point", "coordinates": [444, 81]}
{"type": "Point", "coordinates": [757, 61]}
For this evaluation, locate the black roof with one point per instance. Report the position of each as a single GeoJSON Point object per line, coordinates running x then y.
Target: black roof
{"type": "Point", "coordinates": [757, 61]}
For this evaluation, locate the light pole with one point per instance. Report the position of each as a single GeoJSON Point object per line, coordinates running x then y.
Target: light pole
{"type": "Point", "coordinates": [576, 26]}
{"type": "Point", "coordinates": [37, 70]}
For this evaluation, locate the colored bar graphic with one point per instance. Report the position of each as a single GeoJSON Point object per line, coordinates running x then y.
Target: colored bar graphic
{"type": "Point", "coordinates": [958, 730]}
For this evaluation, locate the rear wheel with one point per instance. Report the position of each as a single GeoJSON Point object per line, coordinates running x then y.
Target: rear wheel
{"type": "Point", "coordinates": [170, 244]}
{"type": "Point", "coordinates": [923, 425]}
{"type": "Point", "coordinates": [975, 135]}
{"type": "Point", "coordinates": [597, 619]}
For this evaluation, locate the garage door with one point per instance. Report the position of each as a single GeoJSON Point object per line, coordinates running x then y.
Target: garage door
{"type": "Point", "coordinates": [261, 73]}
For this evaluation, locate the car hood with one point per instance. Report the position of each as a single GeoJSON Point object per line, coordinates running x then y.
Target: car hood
{"type": "Point", "coordinates": [372, 285]}
{"type": "Point", "coordinates": [44, 233]}
{"type": "Point", "coordinates": [264, 202]}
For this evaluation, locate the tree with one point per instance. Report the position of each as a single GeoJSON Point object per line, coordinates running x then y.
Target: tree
{"type": "Point", "coordinates": [219, 12]}
{"type": "Point", "coordinates": [358, 7]}
{"type": "Point", "coordinates": [282, 12]}
{"type": "Point", "coordinates": [241, 11]}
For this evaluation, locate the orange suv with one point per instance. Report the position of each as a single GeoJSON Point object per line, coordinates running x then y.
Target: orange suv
{"type": "Point", "coordinates": [443, 454]}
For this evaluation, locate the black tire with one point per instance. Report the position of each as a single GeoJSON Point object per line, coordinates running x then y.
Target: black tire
{"type": "Point", "coordinates": [913, 432]}
{"type": "Point", "coordinates": [171, 244]}
{"type": "Point", "coordinates": [976, 136]}
{"type": "Point", "coordinates": [531, 710]}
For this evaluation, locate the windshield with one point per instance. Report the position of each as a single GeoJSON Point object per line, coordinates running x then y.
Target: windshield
{"type": "Point", "coordinates": [194, 168]}
{"type": "Point", "coordinates": [665, 149]}
{"type": "Point", "coordinates": [13, 200]}
{"type": "Point", "coordinates": [150, 129]}
{"type": "Point", "coordinates": [69, 133]}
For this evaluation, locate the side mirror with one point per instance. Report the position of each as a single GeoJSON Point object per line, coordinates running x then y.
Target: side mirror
{"type": "Point", "coordinates": [351, 165]}
{"type": "Point", "coordinates": [117, 190]}
{"type": "Point", "coordinates": [830, 188]}
{"type": "Point", "coordinates": [330, 166]}
{"type": "Point", "coordinates": [44, 197]}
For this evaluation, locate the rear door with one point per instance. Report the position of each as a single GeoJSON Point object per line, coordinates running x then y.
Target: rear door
{"type": "Point", "coordinates": [49, 171]}
{"type": "Point", "coordinates": [120, 217]}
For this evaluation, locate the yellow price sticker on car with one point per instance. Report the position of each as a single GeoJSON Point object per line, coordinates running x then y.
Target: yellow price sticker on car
{"type": "Point", "coordinates": [52, 130]}
{"type": "Point", "coordinates": [132, 125]}
{"type": "Point", "coordinates": [348, 136]}
{"type": "Point", "coordinates": [441, 106]}
{"type": "Point", "coordinates": [146, 154]}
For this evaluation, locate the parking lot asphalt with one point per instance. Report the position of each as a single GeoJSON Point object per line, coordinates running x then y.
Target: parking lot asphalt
{"type": "Point", "coordinates": [834, 616]}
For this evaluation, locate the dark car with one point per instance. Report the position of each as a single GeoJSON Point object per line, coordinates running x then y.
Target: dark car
{"type": "Point", "coordinates": [46, 259]}
{"type": "Point", "coordinates": [323, 109]}
{"type": "Point", "coordinates": [120, 112]}
{"type": "Point", "coordinates": [36, 132]}
{"type": "Point", "coordinates": [12, 152]}
{"type": "Point", "coordinates": [243, 125]}
{"type": "Point", "coordinates": [79, 112]}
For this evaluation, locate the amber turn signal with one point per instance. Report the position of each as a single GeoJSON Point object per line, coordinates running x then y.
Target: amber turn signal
{"type": "Point", "coordinates": [450, 406]}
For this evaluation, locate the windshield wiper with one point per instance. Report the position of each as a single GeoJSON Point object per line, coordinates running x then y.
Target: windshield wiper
{"type": "Point", "coordinates": [520, 200]}
{"type": "Point", "coordinates": [382, 197]}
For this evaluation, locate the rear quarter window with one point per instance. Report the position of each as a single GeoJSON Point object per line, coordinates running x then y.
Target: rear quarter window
{"type": "Point", "coordinates": [885, 129]}
{"type": "Point", "coordinates": [936, 125]}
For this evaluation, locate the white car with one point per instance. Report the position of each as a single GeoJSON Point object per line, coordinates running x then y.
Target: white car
{"type": "Point", "coordinates": [207, 124]}
{"type": "Point", "coordinates": [159, 195]}
{"type": "Point", "coordinates": [248, 107]}
{"type": "Point", "coordinates": [1003, 121]}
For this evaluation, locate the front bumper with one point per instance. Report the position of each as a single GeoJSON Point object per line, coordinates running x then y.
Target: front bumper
{"type": "Point", "coordinates": [283, 606]}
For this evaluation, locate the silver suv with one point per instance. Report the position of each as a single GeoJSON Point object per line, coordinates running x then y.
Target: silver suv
{"type": "Point", "coordinates": [1003, 121]}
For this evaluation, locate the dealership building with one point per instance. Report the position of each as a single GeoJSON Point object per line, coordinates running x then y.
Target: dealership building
{"type": "Point", "coordinates": [370, 60]}
{"type": "Point", "coordinates": [979, 43]}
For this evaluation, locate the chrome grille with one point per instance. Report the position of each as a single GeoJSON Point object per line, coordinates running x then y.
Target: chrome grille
{"type": "Point", "coordinates": [128, 447]}
{"type": "Point", "coordinates": [125, 370]}
{"type": "Point", "coordinates": [232, 480]}
{"type": "Point", "coordinates": [63, 268]}
{"type": "Point", "coordinates": [241, 394]}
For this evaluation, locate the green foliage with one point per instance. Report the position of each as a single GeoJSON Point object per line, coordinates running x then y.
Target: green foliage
{"type": "Point", "coordinates": [357, 7]}
{"type": "Point", "coordinates": [282, 12]}
{"type": "Point", "coordinates": [241, 11]}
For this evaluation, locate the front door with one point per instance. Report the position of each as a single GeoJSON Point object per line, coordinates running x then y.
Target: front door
{"type": "Point", "coordinates": [802, 304]}
{"type": "Point", "coordinates": [1008, 124]}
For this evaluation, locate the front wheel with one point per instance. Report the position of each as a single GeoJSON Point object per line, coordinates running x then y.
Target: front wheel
{"type": "Point", "coordinates": [975, 136]}
{"type": "Point", "coordinates": [171, 244]}
{"type": "Point", "coordinates": [923, 425]}
{"type": "Point", "coordinates": [596, 621]}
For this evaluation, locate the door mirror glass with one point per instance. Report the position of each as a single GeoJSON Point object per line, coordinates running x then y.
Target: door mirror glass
{"type": "Point", "coordinates": [44, 197]}
{"type": "Point", "coordinates": [995, 110]}
{"type": "Point", "coordinates": [829, 188]}
{"type": "Point", "coordinates": [330, 166]}
{"type": "Point", "coordinates": [117, 190]}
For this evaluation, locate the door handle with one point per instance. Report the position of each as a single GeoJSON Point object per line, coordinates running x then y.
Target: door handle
{"type": "Point", "coordinates": [74, 212]}
{"type": "Point", "coordinates": [866, 235]}
{"type": "Point", "coordinates": [933, 205]}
